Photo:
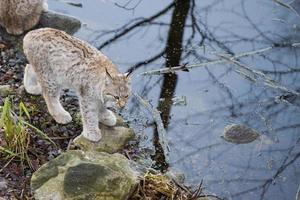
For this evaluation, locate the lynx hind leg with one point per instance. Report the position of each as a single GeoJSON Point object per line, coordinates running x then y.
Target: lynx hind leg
{"type": "Point", "coordinates": [107, 117]}
{"type": "Point", "coordinates": [31, 83]}
{"type": "Point", "coordinates": [51, 96]}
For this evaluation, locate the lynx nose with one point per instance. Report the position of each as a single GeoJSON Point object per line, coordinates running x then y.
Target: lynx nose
{"type": "Point", "coordinates": [121, 103]}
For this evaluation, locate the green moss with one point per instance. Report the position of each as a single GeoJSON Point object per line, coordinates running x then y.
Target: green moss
{"type": "Point", "coordinates": [48, 171]}
{"type": "Point", "coordinates": [85, 176]}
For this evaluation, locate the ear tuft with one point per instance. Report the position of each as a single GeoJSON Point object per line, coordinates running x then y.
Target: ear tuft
{"type": "Point", "coordinates": [129, 72]}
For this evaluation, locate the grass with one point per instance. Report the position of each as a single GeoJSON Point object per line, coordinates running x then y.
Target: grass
{"type": "Point", "coordinates": [16, 132]}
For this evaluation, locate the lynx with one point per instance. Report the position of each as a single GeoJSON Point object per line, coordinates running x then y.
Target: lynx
{"type": "Point", "coordinates": [58, 61]}
{"type": "Point", "coordinates": [18, 16]}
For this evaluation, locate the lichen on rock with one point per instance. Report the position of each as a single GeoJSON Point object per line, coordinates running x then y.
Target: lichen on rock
{"type": "Point", "coordinates": [85, 175]}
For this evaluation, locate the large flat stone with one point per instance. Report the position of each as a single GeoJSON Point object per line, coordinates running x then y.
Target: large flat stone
{"type": "Point", "coordinates": [113, 140]}
{"type": "Point", "coordinates": [85, 175]}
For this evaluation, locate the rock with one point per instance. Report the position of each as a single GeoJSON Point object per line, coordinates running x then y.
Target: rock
{"type": "Point", "coordinates": [59, 21]}
{"type": "Point", "coordinates": [21, 90]}
{"type": "Point", "coordinates": [239, 134]}
{"type": "Point", "coordinates": [113, 139]}
{"type": "Point", "coordinates": [5, 90]}
{"type": "Point", "coordinates": [3, 184]}
{"type": "Point", "coordinates": [85, 175]}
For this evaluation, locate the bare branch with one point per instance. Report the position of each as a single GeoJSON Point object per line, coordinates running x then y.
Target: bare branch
{"type": "Point", "coordinates": [216, 61]}
{"type": "Point", "coordinates": [159, 124]}
{"type": "Point", "coordinates": [258, 76]}
{"type": "Point", "coordinates": [125, 6]}
{"type": "Point", "coordinates": [136, 25]}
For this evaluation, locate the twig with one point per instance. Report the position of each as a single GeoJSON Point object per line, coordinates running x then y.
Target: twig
{"type": "Point", "coordinates": [6, 164]}
{"type": "Point", "coordinates": [148, 61]}
{"type": "Point", "coordinates": [288, 6]}
{"type": "Point", "coordinates": [217, 61]}
{"type": "Point", "coordinates": [79, 5]}
{"type": "Point", "coordinates": [159, 124]}
{"type": "Point", "coordinates": [127, 155]}
{"type": "Point", "coordinates": [258, 76]}
{"type": "Point", "coordinates": [69, 144]}
{"type": "Point", "coordinates": [125, 6]}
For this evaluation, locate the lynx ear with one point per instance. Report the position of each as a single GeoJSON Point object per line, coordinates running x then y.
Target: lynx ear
{"type": "Point", "coordinates": [108, 74]}
{"type": "Point", "coordinates": [128, 73]}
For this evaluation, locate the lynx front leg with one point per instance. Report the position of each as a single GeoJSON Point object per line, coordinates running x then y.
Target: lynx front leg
{"type": "Point", "coordinates": [89, 111]}
{"type": "Point", "coordinates": [51, 97]}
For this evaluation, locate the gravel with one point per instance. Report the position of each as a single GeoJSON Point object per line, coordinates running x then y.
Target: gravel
{"type": "Point", "coordinates": [15, 176]}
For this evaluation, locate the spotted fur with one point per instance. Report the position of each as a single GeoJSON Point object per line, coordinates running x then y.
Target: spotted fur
{"type": "Point", "coordinates": [18, 16]}
{"type": "Point", "coordinates": [57, 61]}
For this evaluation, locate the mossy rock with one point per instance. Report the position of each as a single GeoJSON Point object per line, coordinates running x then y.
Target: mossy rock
{"type": "Point", "coordinates": [82, 175]}
{"type": "Point", "coordinates": [113, 139]}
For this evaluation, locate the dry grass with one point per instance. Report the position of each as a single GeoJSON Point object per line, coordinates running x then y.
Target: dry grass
{"type": "Point", "coordinates": [159, 187]}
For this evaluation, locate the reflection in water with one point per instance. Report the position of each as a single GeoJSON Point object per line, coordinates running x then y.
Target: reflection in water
{"type": "Point", "coordinates": [173, 54]}
{"type": "Point", "coordinates": [217, 95]}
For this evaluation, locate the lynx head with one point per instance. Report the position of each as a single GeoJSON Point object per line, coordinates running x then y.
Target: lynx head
{"type": "Point", "coordinates": [118, 88]}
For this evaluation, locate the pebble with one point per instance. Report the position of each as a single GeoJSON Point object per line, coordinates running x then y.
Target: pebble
{"type": "Point", "coordinates": [5, 90]}
{"type": "Point", "coordinates": [3, 184]}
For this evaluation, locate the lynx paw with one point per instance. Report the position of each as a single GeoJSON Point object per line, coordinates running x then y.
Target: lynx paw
{"type": "Point", "coordinates": [93, 136]}
{"type": "Point", "coordinates": [13, 31]}
{"type": "Point", "coordinates": [63, 118]}
{"type": "Point", "coordinates": [108, 119]}
{"type": "Point", "coordinates": [45, 6]}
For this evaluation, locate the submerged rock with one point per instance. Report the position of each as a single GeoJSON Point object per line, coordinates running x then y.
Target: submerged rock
{"type": "Point", "coordinates": [62, 22]}
{"type": "Point", "coordinates": [113, 139]}
{"type": "Point", "coordinates": [85, 175]}
{"type": "Point", "coordinates": [239, 134]}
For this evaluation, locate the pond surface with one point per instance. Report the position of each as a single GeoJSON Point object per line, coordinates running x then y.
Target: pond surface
{"type": "Point", "coordinates": [258, 90]}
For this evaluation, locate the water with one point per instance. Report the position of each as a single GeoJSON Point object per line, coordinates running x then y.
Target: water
{"type": "Point", "coordinates": [215, 95]}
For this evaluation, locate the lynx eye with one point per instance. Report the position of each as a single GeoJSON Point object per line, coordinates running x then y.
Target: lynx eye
{"type": "Point", "coordinates": [116, 97]}
{"type": "Point", "coordinates": [126, 96]}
